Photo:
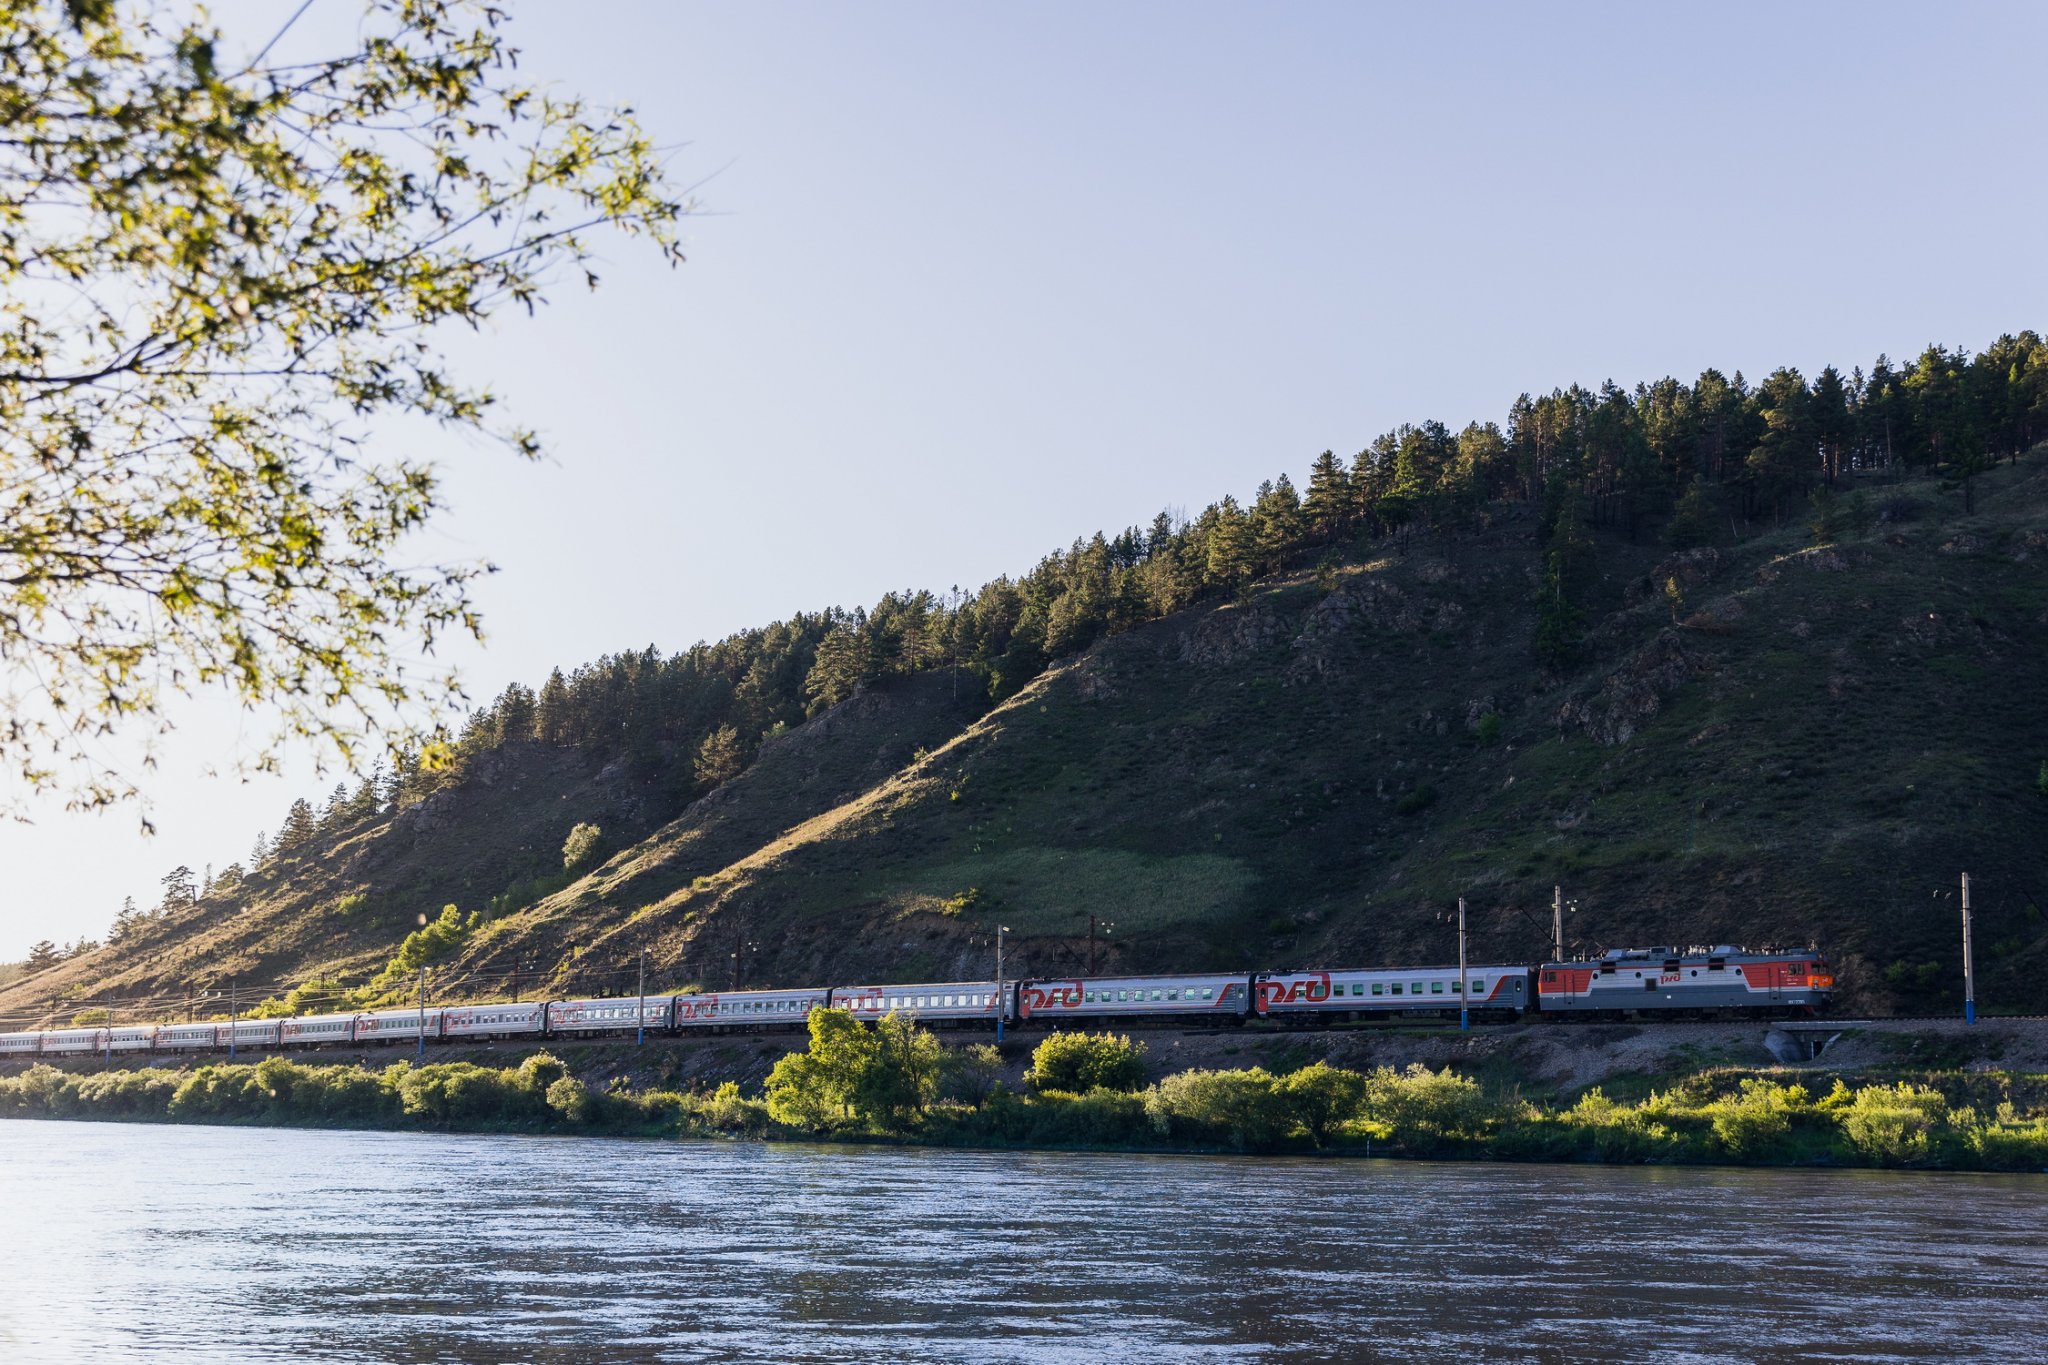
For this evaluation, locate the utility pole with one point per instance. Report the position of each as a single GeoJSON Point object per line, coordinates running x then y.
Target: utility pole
{"type": "Point", "coordinates": [641, 1040]}
{"type": "Point", "coordinates": [1969, 962]}
{"type": "Point", "coordinates": [234, 1018]}
{"type": "Point", "coordinates": [1091, 944]}
{"type": "Point", "coordinates": [423, 1015]}
{"type": "Point", "coordinates": [1464, 1000]}
{"type": "Point", "coordinates": [1001, 1000]}
{"type": "Point", "coordinates": [1557, 924]}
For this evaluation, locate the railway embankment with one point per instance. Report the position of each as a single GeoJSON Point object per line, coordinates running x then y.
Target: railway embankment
{"type": "Point", "coordinates": [1921, 1093]}
{"type": "Point", "coordinates": [1541, 1058]}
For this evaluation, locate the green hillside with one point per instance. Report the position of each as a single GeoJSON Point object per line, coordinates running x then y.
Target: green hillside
{"type": "Point", "coordinates": [1753, 702]}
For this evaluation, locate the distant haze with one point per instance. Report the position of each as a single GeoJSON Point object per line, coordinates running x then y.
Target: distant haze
{"type": "Point", "coordinates": [977, 280]}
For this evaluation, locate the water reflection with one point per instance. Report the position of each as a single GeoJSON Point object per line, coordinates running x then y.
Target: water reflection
{"type": "Point", "coordinates": [192, 1244]}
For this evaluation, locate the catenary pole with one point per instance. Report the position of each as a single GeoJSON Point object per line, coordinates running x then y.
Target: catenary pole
{"type": "Point", "coordinates": [1464, 981]}
{"type": "Point", "coordinates": [641, 1039]}
{"type": "Point", "coordinates": [1557, 924]}
{"type": "Point", "coordinates": [423, 1015]}
{"type": "Point", "coordinates": [1002, 1000]}
{"type": "Point", "coordinates": [234, 1018]}
{"type": "Point", "coordinates": [1969, 961]}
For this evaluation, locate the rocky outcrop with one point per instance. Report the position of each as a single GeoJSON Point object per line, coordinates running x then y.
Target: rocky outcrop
{"type": "Point", "coordinates": [1231, 635]}
{"type": "Point", "coordinates": [1632, 695]}
{"type": "Point", "coordinates": [1337, 627]}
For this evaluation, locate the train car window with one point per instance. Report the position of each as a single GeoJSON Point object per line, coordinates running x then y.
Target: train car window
{"type": "Point", "coordinates": [1397, 988]}
{"type": "Point", "coordinates": [1417, 990]}
{"type": "Point", "coordinates": [1173, 995]}
{"type": "Point", "coordinates": [1478, 985]}
{"type": "Point", "coordinates": [1436, 988]}
{"type": "Point", "coordinates": [1123, 995]}
{"type": "Point", "coordinates": [1376, 988]}
{"type": "Point", "coordinates": [1208, 992]}
{"type": "Point", "coordinates": [1156, 995]}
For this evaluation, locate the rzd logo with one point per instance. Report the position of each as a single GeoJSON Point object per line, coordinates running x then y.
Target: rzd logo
{"type": "Point", "coordinates": [1039, 997]}
{"type": "Point", "coordinates": [1310, 990]}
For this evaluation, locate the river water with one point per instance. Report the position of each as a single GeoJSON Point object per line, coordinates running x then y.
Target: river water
{"type": "Point", "coordinates": [176, 1244]}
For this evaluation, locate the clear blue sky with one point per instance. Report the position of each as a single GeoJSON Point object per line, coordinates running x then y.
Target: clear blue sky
{"type": "Point", "coordinates": [980, 279]}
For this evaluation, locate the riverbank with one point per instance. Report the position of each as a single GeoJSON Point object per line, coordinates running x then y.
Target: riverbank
{"type": "Point", "coordinates": [1544, 1060]}
{"type": "Point", "coordinates": [1893, 1109]}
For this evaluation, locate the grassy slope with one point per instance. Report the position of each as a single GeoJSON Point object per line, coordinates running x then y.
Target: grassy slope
{"type": "Point", "coordinates": [1831, 737]}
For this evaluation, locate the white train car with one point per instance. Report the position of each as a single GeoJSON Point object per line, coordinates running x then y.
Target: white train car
{"type": "Point", "coordinates": [314, 1030]}
{"type": "Point", "coordinates": [20, 1044]}
{"type": "Point", "coordinates": [607, 1015]}
{"type": "Point", "coordinates": [250, 1033]}
{"type": "Point", "coordinates": [493, 1021]}
{"type": "Point", "coordinates": [70, 1041]}
{"type": "Point", "coordinates": [183, 1037]}
{"type": "Point", "coordinates": [1403, 991]}
{"type": "Point", "coordinates": [749, 1009]}
{"type": "Point", "coordinates": [398, 1026]}
{"type": "Point", "coordinates": [961, 1001]}
{"type": "Point", "coordinates": [1218, 997]}
{"type": "Point", "coordinates": [131, 1038]}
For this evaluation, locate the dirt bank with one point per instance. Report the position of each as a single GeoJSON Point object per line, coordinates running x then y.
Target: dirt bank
{"type": "Point", "coordinates": [1542, 1058]}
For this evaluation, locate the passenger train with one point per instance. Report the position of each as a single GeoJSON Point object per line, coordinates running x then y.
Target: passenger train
{"type": "Point", "coordinates": [1624, 983]}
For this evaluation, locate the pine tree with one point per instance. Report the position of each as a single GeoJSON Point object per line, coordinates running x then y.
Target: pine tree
{"type": "Point", "coordinates": [299, 826]}
{"type": "Point", "coordinates": [363, 803]}
{"type": "Point", "coordinates": [1831, 423]}
{"type": "Point", "coordinates": [1230, 545]}
{"type": "Point", "coordinates": [42, 956]}
{"type": "Point", "coordinates": [1783, 457]}
{"type": "Point", "coordinates": [551, 712]}
{"type": "Point", "coordinates": [1569, 568]}
{"type": "Point", "coordinates": [179, 888]}
{"type": "Point", "coordinates": [1328, 505]}
{"type": "Point", "coordinates": [516, 710]}
{"type": "Point", "coordinates": [260, 853]}
{"type": "Point", "coordinates": [1692, 523]}
{"type": "Point", "coordinates": [1276, 521]}
{"type": "Point", "coordinates": [719, 757]}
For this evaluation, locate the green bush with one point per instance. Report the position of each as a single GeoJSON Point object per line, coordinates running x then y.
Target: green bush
{"type": "Point", "coordinates": [1417, 801]}
{"type": "Point", "coordinates": [580, 845]}
{"type": "Point", "coordinates": [1321, 1099]}
{"type": "Point", "coordinates": [570, 1098]}
{"type": "Point", "coordinates": [885, 1076]}
{"type": "Point", "coordinates": [970, 1074]}
{"type": "Point", "coordinates": [725, 1110]}
{"type": "Point", "coordinates": [1241, 1109]}
{"type": "Point", "coordinates": [1099, 1118]}
{"type": "Point", "coordinates": [1080, 1062]}
{"type": "Point", "coordinates": [1751, 1124]}
{"type": "Point", "coordinates": [1421, 1109]}
{"type": "Point", "coordinates": [1895, 1125]}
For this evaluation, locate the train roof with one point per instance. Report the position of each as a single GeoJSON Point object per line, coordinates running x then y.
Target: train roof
{"type": "Point", "coordinates": [1659, 954]}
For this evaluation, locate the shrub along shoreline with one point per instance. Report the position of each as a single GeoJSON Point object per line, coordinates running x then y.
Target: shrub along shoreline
{"type": "Point", "coordinates": [894, 1083]}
